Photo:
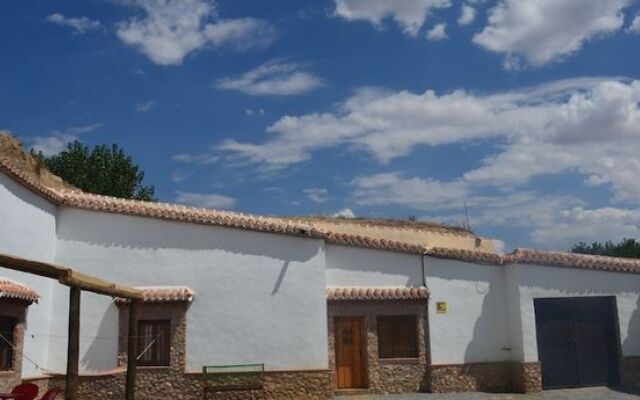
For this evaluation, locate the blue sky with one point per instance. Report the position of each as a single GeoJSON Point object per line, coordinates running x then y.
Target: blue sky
{"type": "Point", "coordinates": [524, 110]}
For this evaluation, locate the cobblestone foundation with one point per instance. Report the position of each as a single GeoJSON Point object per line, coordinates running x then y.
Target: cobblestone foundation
{"type": "Point", "coordinates": [162, 384]}
{"type": "Point", "coordinates": [494, 377]}
{"type": "Point", "coordinates": [630, 371]}
{"type": "Point", "coordinates": [526, 377]}
{"type": "Point", "coordinates": [480, 377]}
{"type": "Point", "coordinates": [384, 375]}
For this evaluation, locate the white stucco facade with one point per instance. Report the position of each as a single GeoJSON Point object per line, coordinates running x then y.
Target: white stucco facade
{"type": "Point", "coordinates": [351, 266]}
{"type": "Point", "coordinates": [28, 229]}
{"type": "Point", "coordinates": [261, 297]}
{"type": "Point", "coordinates": [474, 327]}
{"type": "Point", "coordinates": [277, 281]}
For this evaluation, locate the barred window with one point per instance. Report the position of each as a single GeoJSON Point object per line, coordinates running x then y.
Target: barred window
{"type": "Point", "coordinates": [154, 342]}
{"type": "Point", "coordinates": [398, 336]}
{"type": "Point", "coordinates": [7, 326]}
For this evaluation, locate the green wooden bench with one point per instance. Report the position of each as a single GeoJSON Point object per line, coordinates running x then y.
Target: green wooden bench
{"type": "Point", "coordinates": [225, 378]}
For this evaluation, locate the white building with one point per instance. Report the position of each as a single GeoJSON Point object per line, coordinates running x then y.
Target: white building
{"type": "Point", "coordinates": [326, 305]}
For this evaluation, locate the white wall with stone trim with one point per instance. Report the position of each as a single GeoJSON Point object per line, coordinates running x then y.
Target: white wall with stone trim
{"type": "Point", "coordinates": [352, 266]}
{"type": "Point", "coordinates": [535, 281]}
{"type": "Point", "coordinates": [28, 229]}
{"type": "Point", "coordinates": [260, 297]}
{"type": "Point", "coordinates": [475, 326]}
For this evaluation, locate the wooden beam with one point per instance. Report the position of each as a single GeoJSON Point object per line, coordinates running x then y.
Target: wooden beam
{"type": "Point", "coordinates": [69, 277]}
{"type": "Point", "coordinates": [33, 267]}
{"type": "Point", "coordinates": [73, 346]}
{"type": "Point", "coordinates": [130, 388]}
{"type": "Point", "coordinates": [100, 286]}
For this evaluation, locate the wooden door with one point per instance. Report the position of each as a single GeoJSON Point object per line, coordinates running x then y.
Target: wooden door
{"type": "Point", "coordinates": [349, 350]}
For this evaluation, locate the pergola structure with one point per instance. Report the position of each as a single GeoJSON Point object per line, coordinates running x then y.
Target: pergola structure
{"type": "Point", "coordinates": [78, 282]}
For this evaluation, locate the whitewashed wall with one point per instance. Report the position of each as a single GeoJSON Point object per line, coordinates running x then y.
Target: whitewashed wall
{"type": "Point", "coordinates": [475, 326]}
{"type": "Point", "coordinates": [28, 229]}
{"type": "Point", "coordinates": [539, 281]}
{"type": "Point", "coordinates": [259, 297]}
{"type": "Point", "coordinates": [351, 266]}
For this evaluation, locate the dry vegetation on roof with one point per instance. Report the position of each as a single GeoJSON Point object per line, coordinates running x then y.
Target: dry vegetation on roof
{"type": "Point", "coordinates": [11, 149]}
{"type": "Point", "coordinates": [386, 222]}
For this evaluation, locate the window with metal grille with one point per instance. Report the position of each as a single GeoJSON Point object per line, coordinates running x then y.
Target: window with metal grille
{"type": "Point", "coordinates": [154, 342]}
{"type": "Point", "coordinates": [398, 336]}
{"type": "Point", "coordinates": [7, 326]}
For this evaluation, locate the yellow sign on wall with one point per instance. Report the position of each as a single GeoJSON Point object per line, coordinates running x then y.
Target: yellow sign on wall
{"type": "Point", "coordinates": [441, 307]}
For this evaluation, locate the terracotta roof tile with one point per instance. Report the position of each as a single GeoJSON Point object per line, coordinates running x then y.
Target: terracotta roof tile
{"type": "Point", "coordinates": [79, 199]}
{"type": "Point", "coordinates": [376, 293]}
{"type": "Point", "coordinates": [539, 257]}
{"type": "Point", "coordinates": [163, 294]}
{"type": "Point", "coordinates": [465, 255]}
{"type": "Point", "coordinates": [346, 239]}
{"type": "Point", "coordinates": [572, 260]}
{"type": "Point", "coordinates": [16, 291]}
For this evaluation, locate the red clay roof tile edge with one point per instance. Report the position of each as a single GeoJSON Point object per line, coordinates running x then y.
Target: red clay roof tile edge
{"type": "Point", "coordinates": [275, 225]}
{"type": "Point", "coordinates": [17, 291]}
{"type": "Point", "coordinates": [338, 293]}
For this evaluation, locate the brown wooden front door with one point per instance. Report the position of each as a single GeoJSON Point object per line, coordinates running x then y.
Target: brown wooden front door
{"type": "Point", "coordinates": [349, 348]}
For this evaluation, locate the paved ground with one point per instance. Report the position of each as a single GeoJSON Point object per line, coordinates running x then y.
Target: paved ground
{"type": "Point", "coordinates": [579, 394]}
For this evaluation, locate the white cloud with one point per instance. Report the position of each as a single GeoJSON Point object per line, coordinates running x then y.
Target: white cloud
{"type": "Point", "coordinates": [250, 113]}
{"type": "Point", "coordinates": [417, 193]}
{"type": "Point", "coordinates": [317, 195]}
{"type": "Point", "coordinates": [202, 158]}
{"type": "Point", "coordinates": [545, 30]}
{"type": "Point", "coordinates": [409, 14]}
{"type": "Point", "coordinates": [634, 27]}
{"type": "Point", "coordinates": [590, 126]}
{"type": "Point", "coordinates": [274, 78]}
{"type": "Point", "coordinates": [211, 200]}
{"type": "Point", "coordinates": [144, 106]}
{"type": "Point", "coordinates": [552, 221]}
{"type": "Point", "coordinates": [180, 175]}
{"type": "Point", "coordinates": [467, 14]}
{"type": "Point", "coordinates": [579, 224]}
{"type": "Point", "coordinates": [172, 29]}
{"type": "Point", "coordinates": [438, 32]}
{"type": "Point", "coordinates": [80, 25]}
{"type": "Point", "coordinates": [344, 213]}
{"type": "Point", "coordinates": [57, 141]}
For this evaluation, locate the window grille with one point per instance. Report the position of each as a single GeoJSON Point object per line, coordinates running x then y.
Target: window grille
{"type": "Point", "coordinates": [154, 342]}
{"type": "Point", "coordinates": [7, 326]}
{"type": "Point", "coordinates": [397, 336]}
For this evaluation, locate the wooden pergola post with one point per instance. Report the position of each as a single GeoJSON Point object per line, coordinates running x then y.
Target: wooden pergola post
{"type": "Point", "coordinates": [73, 347]}
{"type": "Point", "coordinates": [131, 352]}
{"type": "Point", "coordinates": [77, 282]}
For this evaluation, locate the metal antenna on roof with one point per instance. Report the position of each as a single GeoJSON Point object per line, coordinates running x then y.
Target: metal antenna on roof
{"type": "Point", "coordinates": [466, 214]}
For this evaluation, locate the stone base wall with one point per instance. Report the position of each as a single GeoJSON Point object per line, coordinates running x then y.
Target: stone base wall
{"type": "Point", "coordinates": [162, 384]}
{"type": "Point", "coordinates": [494, 377]}
{"type": "Point", "coordinates": [383, 375]}
{"type": "Point", "coordinates": [481, 377]}
{"type": "Point", "coordinates": [526, 377]}
{"type": "Point", "coordinates": [630, 371]}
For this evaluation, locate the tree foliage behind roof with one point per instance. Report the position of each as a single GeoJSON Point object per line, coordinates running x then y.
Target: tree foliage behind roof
{"type": "Point", "coordinates": [628, 248]}
{"type": "Point", "coordinates": [105, 170]}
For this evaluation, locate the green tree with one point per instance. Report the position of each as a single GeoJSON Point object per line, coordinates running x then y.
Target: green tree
{"type": "Point", "coordinates": [103, 170]}
{"type": "Point", "coordinates": [629, 248]}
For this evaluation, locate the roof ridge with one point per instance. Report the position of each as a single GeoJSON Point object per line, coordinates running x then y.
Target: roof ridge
{"type": "Point", "coordinates": [296, 227]}
{"type": "Point", "coordinates": [168, 211]}
{"type": "Point", "coordinates": [439, 229]}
